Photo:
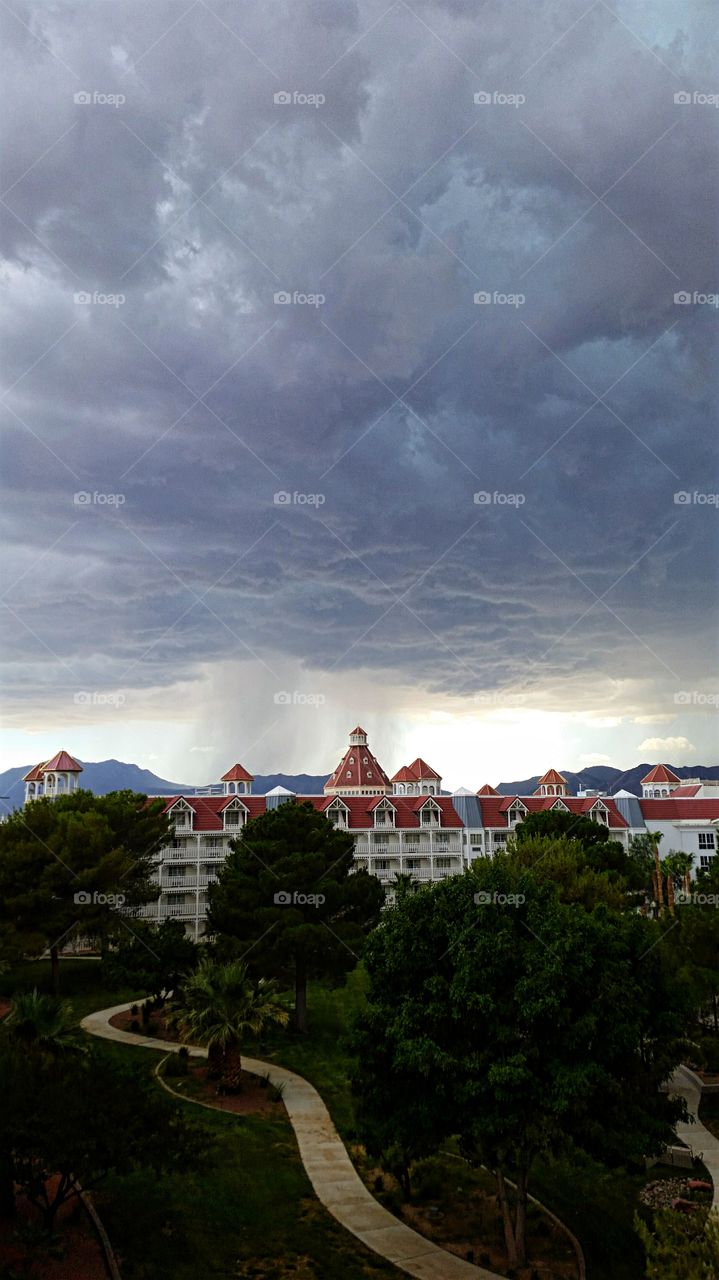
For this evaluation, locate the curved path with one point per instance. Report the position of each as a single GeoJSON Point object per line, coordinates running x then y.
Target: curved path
{"type": "Point", "coordinates": [685, 1083]}
{"type": "Point", "coordinates": [336, 1182]}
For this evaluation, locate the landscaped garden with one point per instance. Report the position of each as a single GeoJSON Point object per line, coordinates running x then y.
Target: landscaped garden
{"type": "Point", "coordinates": [479, 1059]}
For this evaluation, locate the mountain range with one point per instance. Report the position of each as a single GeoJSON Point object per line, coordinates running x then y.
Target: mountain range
{"type": "Point", "coordinates": [114, 775]}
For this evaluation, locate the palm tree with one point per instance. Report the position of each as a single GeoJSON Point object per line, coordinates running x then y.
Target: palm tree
{"type": "Point", "coordinates": [220, 1005]}
{"type": "Point", "coordinates": [43, 1024]}
{"type": "Point", "coordinates": [404, 885]}
{"type": "Point", "coordinates": [677, 869]}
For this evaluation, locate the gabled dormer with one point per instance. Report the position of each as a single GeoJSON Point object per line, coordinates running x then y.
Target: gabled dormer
{"type": "Point", "coordinates": [430, 814]}
{"type": "Point", "coordinates": [181, 814]}
{"type": "Point", "coordinates": [384, 813]}
{"type": "Point", "coordinates": [234, 815]}
{"type": "Point", "coordinates": [517, 812]}
{"type": "Point", "coordinates": [560, 805]}
{"type": "Point", "coordinates": [337, 812]}
{"type": "Point", "coordinates": [599, 812]}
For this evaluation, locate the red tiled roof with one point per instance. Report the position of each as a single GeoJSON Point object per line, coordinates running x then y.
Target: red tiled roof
{"type": "Point", "coordinates": [35, 774]}
{"type": "Point", "coordinates": [358, 768]}
{"type": "Point", "coordinates": [551, 776]}
{"type": "Point", "coordinates": [660, 773]}
{"type": "Point", "coordinates": [357, 729]}
{"type": "Point", "coordinates": [208, 809]}
{"type": "Point", "coordinates": [237, 774]}
{"type": "Point", "coordinates": [669, 808]}
{"type": "Point", "coordinates": [495, 808]}
{"type": "Point", "coordinates": [686, 792]}
{"type": "Point", "coordinates": [62, 763]}
{"type": "Point", "coordinates": [486, 790]}
{"type": "Point", "coordinates": [415, 771]}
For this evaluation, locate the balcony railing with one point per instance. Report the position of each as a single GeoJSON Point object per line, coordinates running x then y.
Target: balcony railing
{"type": "Point", "coordinates": [178, 884]}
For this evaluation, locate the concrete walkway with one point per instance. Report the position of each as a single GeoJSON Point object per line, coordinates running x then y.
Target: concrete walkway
{"type": "Point", "coordinates": [336, 1182]}
{"type": "Point", "coordinates": [685, 1083]}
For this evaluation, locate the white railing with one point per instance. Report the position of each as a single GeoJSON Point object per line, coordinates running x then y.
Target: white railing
{"type": "Point", "coordinates": [178, 884]}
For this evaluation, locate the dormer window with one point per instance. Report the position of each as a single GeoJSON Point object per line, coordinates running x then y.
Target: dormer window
{"type": "Point", "coordinates": [352, 759]}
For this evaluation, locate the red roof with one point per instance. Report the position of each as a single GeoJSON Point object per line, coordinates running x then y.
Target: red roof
{"type": "Point", "coordinates": [417, 770]}
{"type": "Point", "coordinates": [358, 769]}
{"type": "Point", "coordinates": [495, 808]}
{"type": "Point", "coordinates": [62, 763]}
{"type": "Point", "coordinates": [35, 774]}
{"type": "Point", "coordinates": [208, 809]}
{"type": "Point", "coordinates": [669, 808]}
{"type": "Point", "coordinates": [486, 790]}
{"type": "Point", "coordinates": [660, 773]}
{"type": "Point", "coordinates": [686, 792]}
{"type": "Point", "coordinates": [358, 729]}
{"type": "Point", "coordinates": [237, 774]}
{"type": "Point", "coordinates": [551, 776]}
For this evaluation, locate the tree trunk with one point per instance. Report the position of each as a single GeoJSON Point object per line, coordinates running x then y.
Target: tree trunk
{"type": "Point", "coordinates": [55, 970]}
{"type": "Point", "coordinates": [215, 1056]}
{"type": "Point", "coordinates": [658, 879]}
{"type": "Point", "coordinates": [7, 1186]}
{"type": "Point", "coordinates": [670, 894]}
{"type": "Point", "coordinates": [301, 996]}
{"type": "Point", "coordinates": [520, 1231]}
{"type": "Point", "coordinates": [232, 1069]}
{"type": "Point", "coordinates": [510, 1240]}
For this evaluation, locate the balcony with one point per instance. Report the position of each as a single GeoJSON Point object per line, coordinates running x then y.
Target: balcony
{"type": "Point", "coordinates": [155, 911]}
{"type": "Point", "coordinates": [178, 884]}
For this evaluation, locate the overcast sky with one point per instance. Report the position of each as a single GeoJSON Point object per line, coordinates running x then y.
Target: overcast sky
{"type": "Point", "coordinates": [172, 173]}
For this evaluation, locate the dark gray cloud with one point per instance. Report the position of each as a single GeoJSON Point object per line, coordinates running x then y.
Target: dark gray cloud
{"type": "Point", "coordinates": [398, 198]}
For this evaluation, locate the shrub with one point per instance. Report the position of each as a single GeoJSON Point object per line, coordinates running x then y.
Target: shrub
{"type": "Point", "coordinates": [135, 1026]}
{"type": "Point", "coordinates": [134, 1010]}
{"type": "Point", "coordinates": [178, 1063]}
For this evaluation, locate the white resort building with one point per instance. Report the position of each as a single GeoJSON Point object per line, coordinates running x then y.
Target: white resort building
{"type": "Point", "coordinates": [402, 825]}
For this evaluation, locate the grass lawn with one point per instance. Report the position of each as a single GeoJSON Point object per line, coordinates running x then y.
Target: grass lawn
{"type": "Point", "coordinates": [81, 983]}
{"type": "Point", "coordinates": [252, 1214]}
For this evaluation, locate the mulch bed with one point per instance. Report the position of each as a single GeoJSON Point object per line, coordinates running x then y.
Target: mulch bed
{"type": "Point", "coordinates": [467, 1223]}
{"type": "Point", "coordinates": [157, 1026]}
{"type": "Point", "coordinates": [23, 1254]}
{"type": "Point", "coordinates": [254, 1098]}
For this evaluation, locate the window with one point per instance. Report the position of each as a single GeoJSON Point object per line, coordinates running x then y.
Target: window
{"type": "Point", "coordinates": [705, 861]}
{"type": "Point", "coordinates": [500, 837]}
{"type": "Point", "coordinates": [175, 872]}
{"type": "Point", "coordinates": [232, 818]}
{"type": "Point", "coordinates": [369, 773]}
{"type": "Point", "coordinates": [706, 840]}
{"type": "Point", "coordinates": [381, 864]}
{"type": "Point", "coordinates": [352, 759]}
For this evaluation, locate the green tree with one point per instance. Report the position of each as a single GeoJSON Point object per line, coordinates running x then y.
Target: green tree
{"type": "Point", "coordinates": [404, 883]}
{"type": "Point", "coordinates": [566, 863]}
{"type": "Point", "coordinates": [42, 1025]}
{"type": "Point", "coordinates": [528, 1024]}
{"type": "Point", "coordinates": [289, 896]}
{"type": "Point", "coordinates": [220, 1005]}
{"type": "Point", "coordinates": [678, 1249]}
{"type": "Point", "coordinates": [67, 866]}
{"type": "Point", "coordinates": [71, 1122]}
{"type": "Point", "coordinates": [151, 958]}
